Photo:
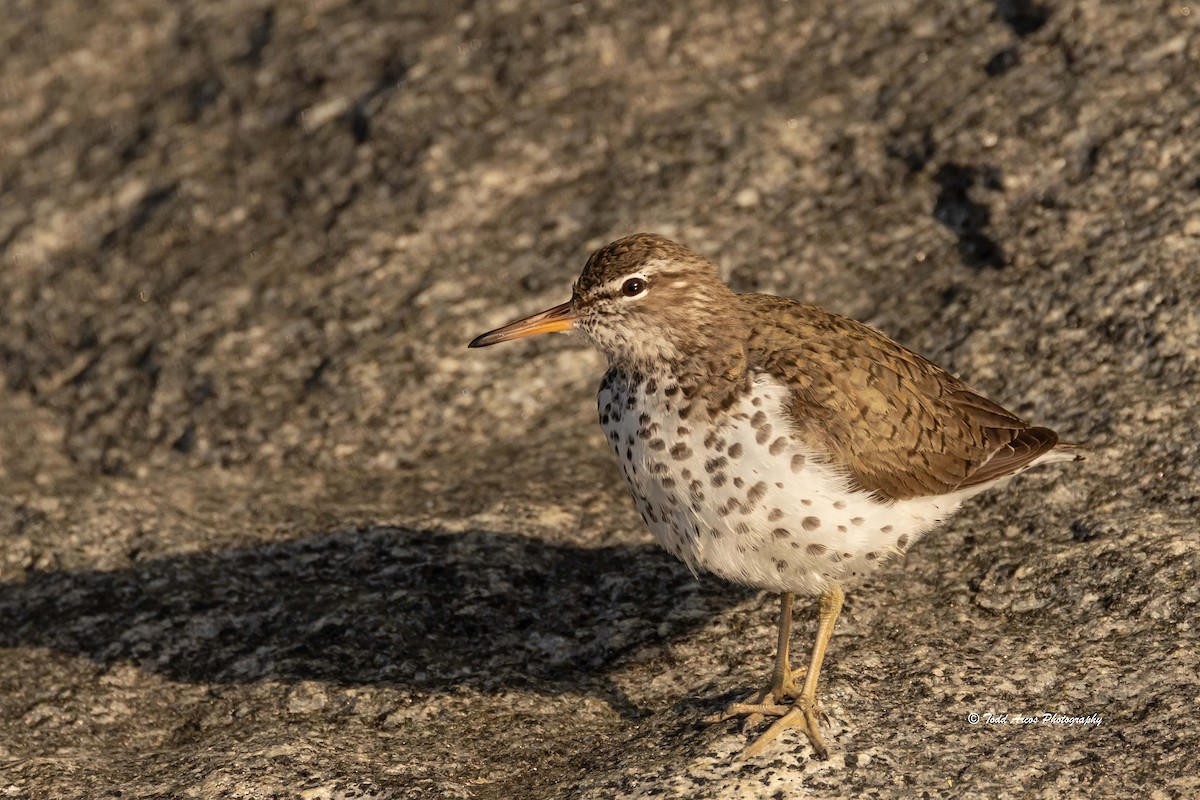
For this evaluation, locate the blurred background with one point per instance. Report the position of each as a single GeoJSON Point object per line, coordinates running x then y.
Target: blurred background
{"type": "Point", "coordinates": [268, 527]}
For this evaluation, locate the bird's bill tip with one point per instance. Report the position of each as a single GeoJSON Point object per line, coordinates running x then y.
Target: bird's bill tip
{"type": "Point", "coordinates": [560, 318]}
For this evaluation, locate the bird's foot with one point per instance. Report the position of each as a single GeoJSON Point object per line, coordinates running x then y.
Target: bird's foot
{"type": "Point", "coordinates": [773, 700]}
{"type": "Point", "coordinates": [784, 700]}
{"type": "Point", "coordinates": [805, 714]}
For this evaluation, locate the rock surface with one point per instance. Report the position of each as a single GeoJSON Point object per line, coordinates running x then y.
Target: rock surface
{"type": "Point", "coordinates": [269, 530]}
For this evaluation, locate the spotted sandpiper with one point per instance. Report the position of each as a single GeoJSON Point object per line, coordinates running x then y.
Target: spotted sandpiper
{"type": "Point", "coordinates": [776, 444]}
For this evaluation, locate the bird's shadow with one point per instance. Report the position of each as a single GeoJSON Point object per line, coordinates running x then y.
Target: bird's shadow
{"type": "Point", "coordinates": [422, 610]}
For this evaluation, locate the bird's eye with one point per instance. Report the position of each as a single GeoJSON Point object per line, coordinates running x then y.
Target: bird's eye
{"type": "Point", "coordinates": [633, 287]}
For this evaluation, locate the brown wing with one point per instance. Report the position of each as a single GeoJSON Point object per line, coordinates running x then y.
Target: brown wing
{"type": "Point", "coordinates": [903, 426]}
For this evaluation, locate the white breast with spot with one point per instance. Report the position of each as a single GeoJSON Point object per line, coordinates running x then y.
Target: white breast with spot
{"type": "Point", "coordinates": [742, 497]}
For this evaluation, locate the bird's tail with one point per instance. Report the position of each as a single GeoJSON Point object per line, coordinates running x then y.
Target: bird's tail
{"type": "Point", "coordinates": [1064, 452]}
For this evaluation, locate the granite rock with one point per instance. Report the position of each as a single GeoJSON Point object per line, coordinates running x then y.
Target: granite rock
{"type": "Point", "coordinates": [270, 530]}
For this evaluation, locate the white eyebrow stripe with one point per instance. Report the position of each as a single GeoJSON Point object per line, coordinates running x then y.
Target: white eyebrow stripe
{"type": "Point", "coordinates": [655, 264]}
{"type": "Point", "coordinates": [649, 269]}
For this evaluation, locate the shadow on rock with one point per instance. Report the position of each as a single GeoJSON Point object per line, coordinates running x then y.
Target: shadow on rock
{"type": "Point", "coordinates": [421, 610]}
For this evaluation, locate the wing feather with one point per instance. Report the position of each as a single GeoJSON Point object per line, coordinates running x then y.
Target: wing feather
{"type": "Point", "coordinates": [902, 426]}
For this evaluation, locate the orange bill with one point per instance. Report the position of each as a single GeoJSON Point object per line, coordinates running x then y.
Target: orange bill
{"type": "Point", "coordinates": [559, 318]}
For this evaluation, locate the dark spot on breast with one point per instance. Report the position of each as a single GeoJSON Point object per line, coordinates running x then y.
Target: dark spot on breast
{"type": "Point", "coordinates": [651, 386]}
{"type": "Point", "coordinates": [671, 390]}
{"type": "Point", "coordinates": [644, 419]}
{"type": "Point", "coordinates": [682, 430]}
{"type": "Point", "coordinates": [628, 454]}
{"type": "Point", "coordinates": [756, 401]}
{"type": "Point", "coordinates": [756, 493]}
{"type": "Point", "coordinates": [763, 434]}
{"type": "Point", "coordinates": [839, 504]}
{"type": "Point", "coordinates": [797, 462]}
{"type": "Point", "coordinates": [658, 444]}
{"type": "Point", "coordinates": [776, 514]}
{"type": "Point", "coordinates": [668, 483]}
{"type": "Point", "coordinates": [738, 482]}
{"type": "Point", "coordinates": [811, 523]}
{"type": "Point", "coordinates": [686, 474]}
{"type": "Point", "coordinates": [886, 529]}
{"type": "Point", "coordinates": [780, 564]}
{"type": "Point", "coordinates": [902, 541]}
{"type": "Point", "coordinates": [781, 533]}
{"type": "Point", "coordinates": [815, 549]}
{"type": "Point", "coordinates": [718, 480]}
{"type": "Point", "coordinates": [804, 501]}
{"type": "Point", "coordinates": [758, 420]}
{"type": "Point", "coordinates": [856, 521]}
{"type": "Point", "coordinates": [841, 528]}
{"type": "Point", "coordinates": [742, 528]}
{"type": "Point", "coordinates": [714, 464]}
{"type": "Point", "coordinates": [735, 450]}
{"type": "Point", "coordinates": [680, 451]}
{"type": "Point", "coordinates": [777, 446]}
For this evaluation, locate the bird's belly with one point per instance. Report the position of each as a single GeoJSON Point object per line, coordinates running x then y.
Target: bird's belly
{"type": "Point", "coordinates": [740, 496]}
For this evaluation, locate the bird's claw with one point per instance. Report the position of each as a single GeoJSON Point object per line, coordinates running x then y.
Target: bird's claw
{"type": "Point", "coordinates": [791, 708]}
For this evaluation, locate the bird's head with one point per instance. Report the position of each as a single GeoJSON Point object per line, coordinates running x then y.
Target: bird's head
{"type": "Point", "coordinates": [641, 300]}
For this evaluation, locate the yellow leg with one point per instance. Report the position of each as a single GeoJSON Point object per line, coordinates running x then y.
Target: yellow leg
{"type": "Point", "coordinates": [782, 678]}
{"type": "Point", "coordinates": [773, 698]}
{"type": "Point", "coordinates": [804, 712]}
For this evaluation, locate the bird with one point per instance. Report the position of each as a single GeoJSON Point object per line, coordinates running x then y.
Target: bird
{"type": "Point", "coordinates": [775, 444]}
